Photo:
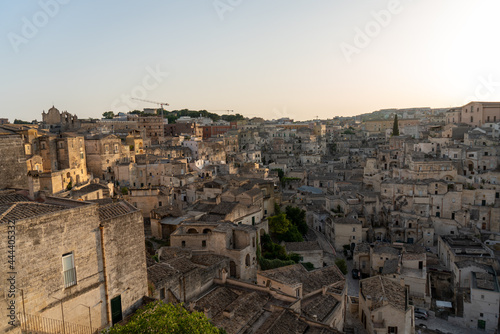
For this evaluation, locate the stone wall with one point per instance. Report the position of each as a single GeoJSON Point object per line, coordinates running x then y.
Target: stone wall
{"type": "Point", "coordinates": [40, 244]}
{"type": "Point", "coordinates": [13, 168]}
{"type": "Point", "coordinates": [125, 256]}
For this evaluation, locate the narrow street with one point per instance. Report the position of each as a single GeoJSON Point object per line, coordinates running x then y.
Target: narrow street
{"type": "Point", "coordinates": [330, 256]}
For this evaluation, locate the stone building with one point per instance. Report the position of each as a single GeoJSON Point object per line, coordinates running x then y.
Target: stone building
{"type": "Point", "coordinates": [477, 295]}
{"type": "Point", "coordinates": [13, 168]}
{"type": "Point", "coordinates": [56, 121]}
{"type": "Point", "coordinates": [239, 307]}
{"type": "Point", "coordinates": [103, 152]}
{"type": "Point", "coordinates": [383, 306]}
{"type": "Point", "coordinates": [455, 248]}
{"type": "Point", "coordinates": [345, 231]}
{"type": "Point", "coordinates": [154, 127]}
{"type": "Point", "coordinates": [89, 260]}
{"type": "Point", "coordinates": [322, 292]}
{"type": "Point", "coordinates": [237, 242]}
{"type": "Point", "coordinates": [309, 251]}
{"type": "Point", "coordinates": [180, 276]}
{"type": "Point", "coordinates": [478, 113]}
{"type": "Point", "coordinates": [63, 161]}
{"type": "Point", "coordinates": [186, 129]}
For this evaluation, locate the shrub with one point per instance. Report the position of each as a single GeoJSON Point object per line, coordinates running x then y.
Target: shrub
{"type": "Point", "coordinates": [342, 265]}
{"type": "Point", "coordinates": [308, 265]}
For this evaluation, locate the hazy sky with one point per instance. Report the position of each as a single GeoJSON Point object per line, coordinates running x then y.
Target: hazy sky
{"type": "Point", "coordinates": [279, 58]}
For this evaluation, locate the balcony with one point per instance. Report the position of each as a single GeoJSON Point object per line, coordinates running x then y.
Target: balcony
{"type": "Point", "coordinates": [69, 277]}
{"type": "Point", "coordinates": [379, 324]}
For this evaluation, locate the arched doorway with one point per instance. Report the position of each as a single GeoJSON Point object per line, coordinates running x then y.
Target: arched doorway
{"type": "Point", "coordinates": [232, 269]}
{"type": "Point", "coordinates": [247, 260]}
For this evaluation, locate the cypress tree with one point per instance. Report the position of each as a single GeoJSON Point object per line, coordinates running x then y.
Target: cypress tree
{"type": "Point", "coordinates": [395, 127]}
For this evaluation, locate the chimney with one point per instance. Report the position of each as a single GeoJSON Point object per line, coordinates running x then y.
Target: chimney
{"type": "Point", "coordinates": [217, 199]}
{"type": "Point", "coordinates": [33, 184]}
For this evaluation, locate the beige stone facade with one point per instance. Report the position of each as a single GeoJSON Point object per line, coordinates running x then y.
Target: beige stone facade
{"type": "Point", "coordinates": [71, 253]}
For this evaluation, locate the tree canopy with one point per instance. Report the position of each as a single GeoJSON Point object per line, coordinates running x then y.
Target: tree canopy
{"type": "Point", "coordinates": [279, 224]}
{"type": "Point", "coordinates": [160, 317]}
{"type": "Point", "coordinates": [19, 121]}
{"type": "Point", "coordinates": [297, 217]}
{"type": "Point", "coordinates": [108, 114]}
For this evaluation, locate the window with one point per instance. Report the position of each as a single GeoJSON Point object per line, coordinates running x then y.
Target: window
{"type": "Point", "coordinates": [354, 229]}
{"type": "Point", "coordinates": [69, 270]}
{"type": "Point", "coordinates": [392, 330]}
{"type": "Point", "coordinates": [162, 293]}
{"type": "Point", "coordinates": [183, 244]}
{"type": "Point", "coordinates": [203, 243]}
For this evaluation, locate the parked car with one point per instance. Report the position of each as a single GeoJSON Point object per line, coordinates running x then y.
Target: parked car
{"type": "Point", "coordinates": [421, 314]}
{"type": "Point", "coordinates": [355, 273]}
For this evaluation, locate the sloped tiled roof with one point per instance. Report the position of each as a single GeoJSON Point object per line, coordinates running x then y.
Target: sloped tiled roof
{"type": "Point", "coordinates": [12, 198]}
{"type": "Point", "coordinates": [23, 210]}
{"type": "Point", "coordinates": [113, 210]}
{"type": "Point", "coordinates": [319, 306]}
{"type": "Point", "coordinates": [381, 290]}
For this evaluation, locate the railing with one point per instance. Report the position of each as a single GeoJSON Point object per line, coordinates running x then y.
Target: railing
{"type": "Point", "coordinates": [379, 324]}
{"type": "Point", "coordinates": [69, 277]}
{"type": "Point", "coordinates": [35, 324]}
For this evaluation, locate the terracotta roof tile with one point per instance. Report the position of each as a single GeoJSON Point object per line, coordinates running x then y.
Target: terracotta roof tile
{"type": "Point", "coordinates": [113, 210]}
{"type": "Point", "coordinates": [23, 210]}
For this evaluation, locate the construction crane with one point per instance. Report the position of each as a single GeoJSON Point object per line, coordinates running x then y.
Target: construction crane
{"type": "Point", "coordinates": [158, 103]}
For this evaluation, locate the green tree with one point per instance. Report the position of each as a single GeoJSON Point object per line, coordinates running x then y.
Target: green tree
{"type": "Point", "coordinates": [233, 118]}
{"type": "Point", "coordinates": [342, 265]}
{"type": "Point", "coordinates": [395, 127]}
{"type": "Point", "coordinates": [160, 317]}
{"type": "Point", "coordinates": [291, 235]}
{"type": "Point", "coordinates": [18, 121]}
{"type": "Point", "coordinates": [308, 265]}
{"type": "Point", "coordinates": [279, 224]}
{"type": "Point", "coordinates": [108, 115]}
{"type": "Point", "coordinates": [281, 174]}
{"type": "Point", "coordinates": [297, 217]}
{"type": "Point", "coordinates": [277, 208]}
